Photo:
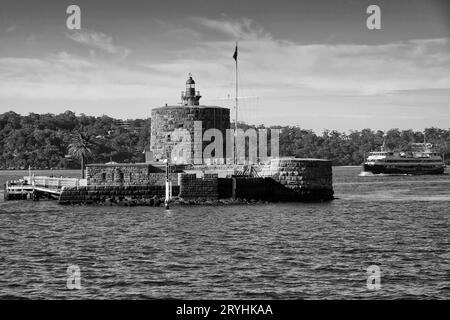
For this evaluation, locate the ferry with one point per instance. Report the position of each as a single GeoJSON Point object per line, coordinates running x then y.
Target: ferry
{"type": "Point", "coordinates": [419, 159]}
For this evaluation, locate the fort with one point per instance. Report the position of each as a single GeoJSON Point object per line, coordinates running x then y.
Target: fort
{"type": "Point", "coordinates": [176, 156]}
{"type": "Point", "coordinates": [176, 170]}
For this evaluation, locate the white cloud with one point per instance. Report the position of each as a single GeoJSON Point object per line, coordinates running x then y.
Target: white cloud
{"type": "Point", "coordinates": [63, 76]}
{"type": "Point", "coordinates": [11, 28]}
{"type": "Point", "coordinates": [272, 67]}
{"type": "Point", "coordinates": [99, 40]}
{"type": "Point", "coordinates": [268, 68]}
{"type": "Point", "coordinates": [237, 29]}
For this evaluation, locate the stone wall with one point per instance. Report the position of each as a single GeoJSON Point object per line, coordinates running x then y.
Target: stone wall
{"type": "Point", "coordinates": [253, 188]}
{"type": "Point", "coordinates": [285, 179]}
{"type": "Point", "coordinates": [225, 188]}
{"type": "Point", "coordinates": [223, 171]}
{"type": "Point", "coordinates": [309, 178]}
{"type": "Point", "coordinates": [192, 187]}
{"type": "Point", "coordinates": [165, 120]}
{"type": "Point", "coordinates": [101, 194]}
{"type": "Point", "coordinates": [127, 174]}
{"type": "Point", "coordinates": [268, 189]}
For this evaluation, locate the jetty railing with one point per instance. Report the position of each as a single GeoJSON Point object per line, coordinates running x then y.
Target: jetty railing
{"type": "Point", "coordinates": [31, 187]}
{"type": "Point", "coordinates": [52, 182]}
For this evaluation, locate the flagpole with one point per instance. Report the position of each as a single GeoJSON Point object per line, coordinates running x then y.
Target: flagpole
{"type": "Point", "coordinates": [236, 109]}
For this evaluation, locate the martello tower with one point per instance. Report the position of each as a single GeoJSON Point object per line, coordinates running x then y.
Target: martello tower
{"type": "Point", "coordinates": [166, 120]}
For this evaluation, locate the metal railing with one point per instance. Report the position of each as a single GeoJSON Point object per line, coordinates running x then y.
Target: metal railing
{"type": "Point", "coordinates": [51, 182]}
{"type": "Point", "coordinates": [186, 93]}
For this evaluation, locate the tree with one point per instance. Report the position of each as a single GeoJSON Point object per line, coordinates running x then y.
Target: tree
{"type": "Point", "coordinates": [41, 141]}
{"type": "Point", "coordinates": [80, 148]}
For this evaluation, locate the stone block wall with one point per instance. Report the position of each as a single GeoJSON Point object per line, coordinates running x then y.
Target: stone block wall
{"type": "Point", "coordinates": [192, 187]}
{"type": "Point", "coordinates": [99, 193]}
{"type": "Point", "coordinates": [285, 179]}
{"type": "Point", "coordinates": [297, 173]}
{"type": "Point", "coordinates": [223, 171]}
{"type": "Point", "coordinates": [268, 189]}
{"type": "Point", "coordinates": [166, 120]}
{"type": "Point", "coordinates": [245, 188]}
{"type": "Point", "coordinates": [225, 188]}
{"type": "Point", "coordinates": [127, 174]}
{"type": "Point", "coordinates": [253, 188]}
{"type": "Point", "coordinates": [309, 178]}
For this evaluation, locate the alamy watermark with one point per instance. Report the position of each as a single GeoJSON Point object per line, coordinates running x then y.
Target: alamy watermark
{"type": "Point", "coordinates": [73, 21]}
{"type": "Point", "coordinates": [73, 277]}
{"type": "Point", "coordinates": [242, 147]}
{"type": "Point", "coordinates": [373, 277]}
{"type": "Point", "coordinates": [373, 22]}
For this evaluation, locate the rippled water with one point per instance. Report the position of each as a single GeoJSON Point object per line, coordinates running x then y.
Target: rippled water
{"type": "Point", "coordinates": [287, 251]}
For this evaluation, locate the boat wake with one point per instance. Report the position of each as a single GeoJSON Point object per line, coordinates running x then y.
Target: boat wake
{"type": "Point", "coordinates": [371, 174]}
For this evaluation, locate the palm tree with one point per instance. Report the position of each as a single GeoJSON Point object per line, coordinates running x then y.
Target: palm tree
{"type": "Point", "coordinates": [80, 148]}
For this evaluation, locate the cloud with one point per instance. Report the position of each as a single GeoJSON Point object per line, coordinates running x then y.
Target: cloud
{"type": "Point", "coordinates": [288, 77]}
{"type": "Point", "coordinates": [11, 28]}
{"type": "Point", "coordinates": [237, 29]}
{"type": "Point", "coordinates": [100, 41]}
{"type": "Point", "coordinates": [64, 76]}
{"type": "Point", "coordinates": [268, 67]}
{"type": "Point", "coordinates": [281, 67]}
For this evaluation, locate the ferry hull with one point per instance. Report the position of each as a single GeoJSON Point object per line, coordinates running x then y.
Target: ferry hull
{"type": "Point", "coordinates": [415, 170]}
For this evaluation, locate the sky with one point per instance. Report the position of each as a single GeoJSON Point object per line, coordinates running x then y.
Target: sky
{"type": "Point", "coordinates": [314, 64]}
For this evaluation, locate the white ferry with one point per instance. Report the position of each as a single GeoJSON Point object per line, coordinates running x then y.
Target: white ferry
{"type": "Point", "coordinates": [420, 160]}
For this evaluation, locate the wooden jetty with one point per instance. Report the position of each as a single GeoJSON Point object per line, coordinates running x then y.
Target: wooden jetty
{"type": "Point", "coordinates": [35, 188]}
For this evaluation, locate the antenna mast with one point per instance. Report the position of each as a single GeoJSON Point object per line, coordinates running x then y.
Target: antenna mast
{"type": "Point", "coordinates": [236, 104]}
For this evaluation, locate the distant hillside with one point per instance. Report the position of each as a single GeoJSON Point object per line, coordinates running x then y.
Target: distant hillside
{"type": "Point", "coordinates": [41, 140]}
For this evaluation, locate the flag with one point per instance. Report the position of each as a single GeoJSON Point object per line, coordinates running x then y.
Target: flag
{"type": "Point", "coordinates": [235, 53]}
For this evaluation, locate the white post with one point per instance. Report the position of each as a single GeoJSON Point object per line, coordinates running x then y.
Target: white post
{"type": "Point", "coordinates": [166, 201]}
{"type": "Point", "coordinates": [167, 191]}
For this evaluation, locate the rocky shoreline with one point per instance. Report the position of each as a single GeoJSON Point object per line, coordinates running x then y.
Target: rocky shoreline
{"type": "Point", "coordinates": [157, 201]}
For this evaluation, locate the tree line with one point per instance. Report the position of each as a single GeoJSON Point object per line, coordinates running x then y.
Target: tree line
{"type": "Point", "coordinates": [42, 140]}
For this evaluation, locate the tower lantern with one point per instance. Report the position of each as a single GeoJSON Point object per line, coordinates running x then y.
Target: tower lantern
{"type": "Point", "coordinates": [190, 97]}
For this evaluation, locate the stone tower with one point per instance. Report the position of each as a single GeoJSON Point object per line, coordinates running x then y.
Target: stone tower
{"type": "Point", "coordinates": [167, 121]}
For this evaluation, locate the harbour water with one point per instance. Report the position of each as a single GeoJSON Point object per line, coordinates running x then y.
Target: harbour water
{"type": "Point", "coordinates": [275, 251]}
